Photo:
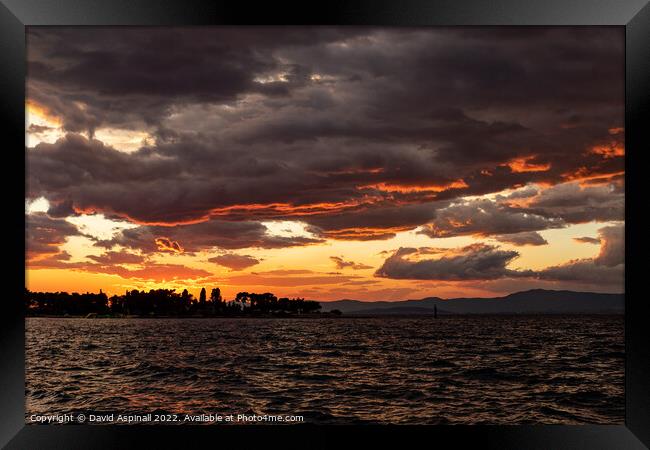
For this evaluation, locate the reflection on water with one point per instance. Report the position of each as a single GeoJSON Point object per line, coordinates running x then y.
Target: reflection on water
{"type": "Point", "coordinates": [481, 369]}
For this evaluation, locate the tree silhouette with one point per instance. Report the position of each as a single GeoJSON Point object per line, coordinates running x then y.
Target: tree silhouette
{"type": "Point", "coordinates": [242, 297]}
{"type": "Point", "coordinates": [216, 301]}
{"type": "Point", "coordinates": [163, 302]}
{"type": "Point", "coordinates": [186, 300]}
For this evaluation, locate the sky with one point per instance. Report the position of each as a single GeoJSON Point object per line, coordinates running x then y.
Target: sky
{"type": "Point", "coordinates": [325, 163]}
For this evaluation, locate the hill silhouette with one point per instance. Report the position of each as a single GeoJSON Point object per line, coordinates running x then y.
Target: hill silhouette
{"type": "Point", "coordinates": [167, 302]}
{"type": "Point", "coordinates": [535, 301]}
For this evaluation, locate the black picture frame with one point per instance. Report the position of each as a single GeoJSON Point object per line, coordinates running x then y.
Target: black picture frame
{"type": "Point", "coordinates": [634, 15]}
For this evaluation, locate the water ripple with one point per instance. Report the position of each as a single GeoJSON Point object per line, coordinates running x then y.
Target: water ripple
{"type": "Point", "coordinates": [454, 370]}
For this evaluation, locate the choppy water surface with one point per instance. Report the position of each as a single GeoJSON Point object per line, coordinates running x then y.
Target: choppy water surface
{"type": "Point", "coordinates": [481, 369]}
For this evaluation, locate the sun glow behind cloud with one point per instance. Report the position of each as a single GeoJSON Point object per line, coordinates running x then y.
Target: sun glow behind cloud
{"type": "Point", "coordinates": [123, 140]}
{"type": "Point", "coordinates": [37, 205]}
{"type": "Point", "coordinates": [43, 126]}
{"type": "Point", "coordinates": [98, 226]}
{"type": "Point", "coordinates": [287, 228]}
{"type": "Point", "coordinates": [40, 125]}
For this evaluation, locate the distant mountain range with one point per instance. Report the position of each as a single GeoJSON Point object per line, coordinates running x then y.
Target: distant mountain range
{"type": "Point", "coordinates": [536, 301]}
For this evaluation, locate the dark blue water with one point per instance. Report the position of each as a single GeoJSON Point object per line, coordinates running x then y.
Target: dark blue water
{"type": "Point", "coordinates": [453, 370]}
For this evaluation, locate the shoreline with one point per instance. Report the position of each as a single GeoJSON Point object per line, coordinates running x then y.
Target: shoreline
{"type": "Point", "coordinates": [335, 316]}
{"type": "Point", "coordinates": [315, 316]}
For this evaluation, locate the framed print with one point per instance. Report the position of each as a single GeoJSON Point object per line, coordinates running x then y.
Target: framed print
{"type": "Point", "coordinates": [362, 221]}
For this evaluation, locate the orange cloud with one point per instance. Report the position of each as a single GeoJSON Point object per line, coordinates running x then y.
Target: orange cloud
{"type": "Point", "coordinates": [155, 272]}
{"type": "Point", "coordinates": [167, 245]}
{"type": "Point", "coordinates": [585, 176]}
{"type": "Point", "coordinates": [288, 209]}
{"type": "Point", "coordinates": [407, 189]}
{"type": "Point", "coordinates": [259, 210]}
{"type": "Point", "coordinates": [111, 264]}
{"type": "Point", "coordinates": [523, 164]}
{"type": "Point", "coordinates": [611, 150]}
{"type": "Point", "coordinates": [364, 233]}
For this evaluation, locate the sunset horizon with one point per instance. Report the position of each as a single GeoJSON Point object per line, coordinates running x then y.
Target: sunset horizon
{"type": "Point", "coordinates": [325, 163]}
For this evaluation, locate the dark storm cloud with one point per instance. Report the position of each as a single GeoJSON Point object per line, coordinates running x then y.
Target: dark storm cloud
{"type": "Point", "coordinates": [44, 234]}
{"type": "Point", "coordinates": [577, 204]}
{"type": "Point", "coordinates": [612, 249]}
{"type": "Point", "coordinates": [473, 262]}
{"type": "Point", "coordinates": [186, 181]}
{"type": "Point", "coordinates": [553, 207]}
{"type": "Point", "coordinates": [523, 238]}
{"type": "Point", "coordinates": [358, 132]}
{"type": "Point", "coordinates": [86, 174]}
{"type": "Point", "coordinates": [481, 262]}
{"type": "Point", "coordinates": [607, 268]}
{"type": "Point", "coordinates": [586, 271]}
{"type": "Point", "coordinates": [486, 217]}
{"type": "Point", "coordinates": [62, 208]}
{"type": "Point", "coordinates": [234, 261]}
{"type": "Point", "coordinates": [121, 75]}
{"type": "Point", "coordinates": [371, 223]}
{"type": "Point", "coordinates": [200, 236]}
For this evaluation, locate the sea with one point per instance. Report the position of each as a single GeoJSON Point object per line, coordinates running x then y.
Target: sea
{"type": "Point", "coordinates": [544, 369]}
